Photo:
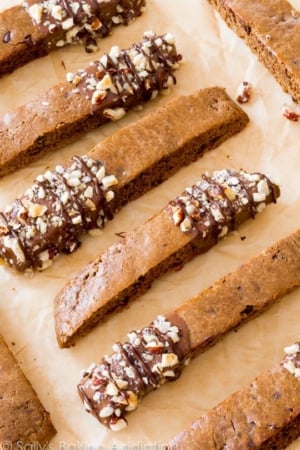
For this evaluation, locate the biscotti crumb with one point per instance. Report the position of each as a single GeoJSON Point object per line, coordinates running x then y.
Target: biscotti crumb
{"type": "Point", "coordinates": [291, 112]}
{"type": "Point", "coordinates": [244, 92]}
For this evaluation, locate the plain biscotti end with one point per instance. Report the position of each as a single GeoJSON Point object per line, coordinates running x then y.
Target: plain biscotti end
{"type": "Point", "coordinates": [15, 48]}
{"type": "Point", "coordinates": [271, 30]}
{"type": "Point", "coordinates": [178, 131]}
{"type": "Point", "coordinates": [263, 416]}
{"type": "Point", "coordinates": [23, 418]}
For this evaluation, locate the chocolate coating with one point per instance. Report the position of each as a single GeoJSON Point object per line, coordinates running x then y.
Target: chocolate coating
{"type": "Point", "coordinates": [50, 217]}
{"type": "Point", "coordinates": [152, 356]}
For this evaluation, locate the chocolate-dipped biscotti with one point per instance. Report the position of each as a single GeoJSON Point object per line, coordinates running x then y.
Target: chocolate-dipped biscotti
{"type": "Point", "coordinates": [24, 421]}
{"type": "Point", "coordinates": [263, 416]}
{"type": "Point", "coordinates": [187, 226]}
{"type": "Point", "coordinates": [158, 352]}
{"type": "Point", "coordinates": [62, 204]}
{"type": "Point", "coordinates": [271, 29]}
{"type": "Point", "coordinates": [36, 27]}
{"type": "Point", "coordinates": [89, 98]}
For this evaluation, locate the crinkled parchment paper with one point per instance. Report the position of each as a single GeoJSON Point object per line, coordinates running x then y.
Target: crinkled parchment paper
{"type": "Point", "coordinates": [270, 143]}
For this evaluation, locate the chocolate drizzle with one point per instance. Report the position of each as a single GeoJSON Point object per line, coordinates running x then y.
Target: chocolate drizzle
{"type": "Point", "coordinates": [152, 356]}
{"type": "Point", "coordinates": [65, 4]}
{"type": "Point", "coordinates": [210, 207]}
{"type": "Point", "coordinates": [138, 72]}
{"type": "Point", "coordinates": [50, 217]}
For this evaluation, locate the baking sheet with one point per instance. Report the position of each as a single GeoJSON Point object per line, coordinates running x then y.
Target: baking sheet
{"type": "Point", "coordinates": [270, 143]}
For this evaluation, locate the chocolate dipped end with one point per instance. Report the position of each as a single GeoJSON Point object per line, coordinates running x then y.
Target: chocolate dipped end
{"type": "Point", "coordinates": [35, 28]}
{"type": "Point", "coordinates": [151, 356]}
{"type": "Point", "coordinates": [121, 79]}
{"type": "Point", "coordinates": [55, 211]}
{"type": "Point", "coordinates": [216, 205]}
{"type": "Point", "coordinates": [66, 22]}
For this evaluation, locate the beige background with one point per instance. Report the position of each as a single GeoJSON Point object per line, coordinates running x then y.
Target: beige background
{"type": "Point", "coordinates": [213, 56]}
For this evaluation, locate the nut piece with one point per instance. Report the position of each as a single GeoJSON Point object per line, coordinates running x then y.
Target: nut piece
{"type": "Point", "coordinates": [132, 401]}
{"type": "Point", "coordinates": [107, 411]}
{"type": "Point", "coordinates": [186, 225]}
{"type": "Point", "coordinates": [118, 425]}
{"type": "Point", "coordinates": [36, 12]}
{"type": "Point", "coordinates": [114, 114]}
{"type": "Point", "coordinates": [291, 361]}
{"type": "Point", "coordinates": [36, 210]}
{"type": "Point", "coordinates": [292, 349]}
{"type": "Point", "coordinates": [169, 360]}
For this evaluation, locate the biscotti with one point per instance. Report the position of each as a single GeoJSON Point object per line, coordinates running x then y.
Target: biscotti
{"type": "Point", "coordinates": [81, 196]}
{"type": "Point", "coordinates": [187, 226]}
{"type": "Point", "coordinates": [89, 98]}
{"type": "Point", "coordinates": [263, 416]}
{"type": "Point", "coordinates": [271, 29]}
{"type": "Point", "coordinates": [36, 27]}
{"type": "Point", "coordinates": [159, 352]}
{"type": "Point", "coordinates": [24, 421]}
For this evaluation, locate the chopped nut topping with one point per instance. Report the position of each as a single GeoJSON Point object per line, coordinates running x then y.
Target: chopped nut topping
{"type": "Point", "coordinates": [118, 425]}
{"type": "Point", "coordinates": [36, 12]}
{"type": "Point", "coordinates": [49, 218]}
{"type": "Point", "coordinates": [186, 224]}
{"type": "Point", "coordinates": [111, 389]}
{"type": "Point", "coordinates": [107, 411]}
{"type": "Point", "coordinates": [114, 114]}
{"type": "Point", "coordinates": [132, 370]}
{"type": "Point", "coordinates": [36, 210]}
{"type": "Point", "coordinates": [132, 401]}
{"type": "Point", "coordinates": [82, 21]}
{"type": "Point", "coordinates": [140, 71]}
{"type": "Point", "coordinates": [210, 206]}
{"type": "Point", "coordinates": [169, 360]}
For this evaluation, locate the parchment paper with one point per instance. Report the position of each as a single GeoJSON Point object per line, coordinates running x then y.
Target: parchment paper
{"type": "Point", "coordinates": [270, 143]}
